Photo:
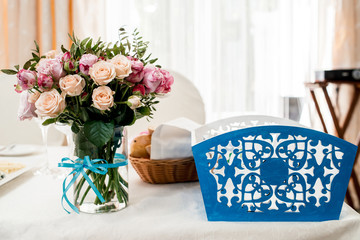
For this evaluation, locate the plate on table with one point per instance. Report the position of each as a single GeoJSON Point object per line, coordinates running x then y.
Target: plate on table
{"type": "Point", "coordinates": [24, 157]}
{"type": "Point", "coordinates": [17, 150]}
{"type": "Point", "coordinates": [10, 176]}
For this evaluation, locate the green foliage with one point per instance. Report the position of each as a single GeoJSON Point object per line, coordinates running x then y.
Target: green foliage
{"type": "Point", "coordinates": [98, 132]}
{"type": "Point", "coordinates": [83, 147]}
{"type": "Point", "coordinates": [49, 121]}
{"type": "Point", "coordinates": [36, 57]}
{"type": "Point", "coordinates": [75, 128]}
{"type": "Point", "coordinates": [9, 71]}
{"type": "Point", "coordinates": [124, 116]}
{"type": "Point", "coordinates": [80, 112]}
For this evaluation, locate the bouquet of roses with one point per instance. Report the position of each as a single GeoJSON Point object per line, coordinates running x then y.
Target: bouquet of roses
{"type": "Point", "coordinates": [96, 88]}
{"type": "Point", "coordinates": [92, 81]}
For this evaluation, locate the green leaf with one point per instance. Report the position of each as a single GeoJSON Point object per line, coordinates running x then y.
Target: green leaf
{"type": "Point", "coordinates": [32, 67]}
{"type": "Point", "coordinates": [72, 50]}
{"type": "Point", "coordinates": [153, 60]}
{"type": "Point", "coordinates": [83, 147]}
{"type": "Point", "coordinates": [71, 37]}
{"type": "Point", "coordinates": [17, 67]}
{"type": "Point", "coordinates": [96, 45]}
{"type": "Point", "coordinates": [98, 132]}
{"type": "Point", "coordinates": [125, 116]}
{"type": "Point", "coordinates": [36, 57]}
{"type": "Point", "coordinates": [84, 116]}
{"type": "Point", "coordinates": [63, 49]}
{"type": "Point", "coordinates": [148, 57]}
{"type": "Point", "coordinates": [128, 44]}
{"type": "Point", "coordinates": [9, 71]}
{"type": "Point", "coordinates": [145, 111]}
{"type": "Point", "coordinates": [27, 64]}
{"type": "Point", "coordinates": [83, 42]}
{"type": "Point", "coordinates": [88, 45]}
{"type": "Point", "coordinates": [78, 52]}
{"type": "Point", "coordinates": [49, 121]}
{"type": "Point", "coordinates": [37, 47]}
{"type": "Point", "coordinates": [75, 128]}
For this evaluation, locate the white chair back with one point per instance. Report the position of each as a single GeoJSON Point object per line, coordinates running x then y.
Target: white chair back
{"type": "Point", "coordinates": [184, 100]}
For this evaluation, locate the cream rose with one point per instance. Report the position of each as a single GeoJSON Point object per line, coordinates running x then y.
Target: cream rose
{"type": "Point", "coordinates": [50, 54]}
{"type": "Point", "coordinates": [103, 98]}
{"type": "Point", "coordinates": [102, 72]}
{"type": "Point", "coordinates": [72, 85]}
{"type": "Point", "coordinates": [33, 96]}
{"type": "Point", "coordinates": [50, 104]}
{"type": "Point", "coordinates": [122, 66]}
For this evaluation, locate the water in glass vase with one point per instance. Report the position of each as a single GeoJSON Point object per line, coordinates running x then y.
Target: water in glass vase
{"type": "Point", "coordinates": [112, 184]}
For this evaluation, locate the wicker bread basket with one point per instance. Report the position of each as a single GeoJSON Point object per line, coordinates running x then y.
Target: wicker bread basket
{"type": "Point", "coordinates": [165, 171]}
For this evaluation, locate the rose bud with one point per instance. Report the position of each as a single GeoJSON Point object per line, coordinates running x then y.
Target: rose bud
{"type": "Point", "coordinates": [45, 82]}
{"type": "Point", "coordinates": [66, 57]}
{"type": "Point", "coordinates": [139, 89]}
{"type": "Point", "coordinates": [134, 102]}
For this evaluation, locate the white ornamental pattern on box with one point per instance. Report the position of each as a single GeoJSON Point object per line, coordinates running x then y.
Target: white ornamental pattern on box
{"type": "Point", "coordinates": [236, 125]}
{"type": "Point", "coordinates": [274, 172]}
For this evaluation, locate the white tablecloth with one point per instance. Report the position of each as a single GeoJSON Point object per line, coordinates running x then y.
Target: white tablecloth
{"type": "Point", "coordinates": [30, 209]}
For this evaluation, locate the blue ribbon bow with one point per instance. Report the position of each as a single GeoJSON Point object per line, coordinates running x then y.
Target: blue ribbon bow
{"type": "Point", "coordinates": [78, 168]}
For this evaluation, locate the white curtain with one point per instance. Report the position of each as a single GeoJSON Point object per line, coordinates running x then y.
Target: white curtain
{"type": "Point", "coordinates": [244, 56]}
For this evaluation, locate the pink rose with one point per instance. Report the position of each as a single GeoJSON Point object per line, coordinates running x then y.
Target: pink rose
{"type": "Point", "coordinates": [86, 62]}
{"type": "Point", "coordinates": [26, 79]}
{"type": "Point", "coordinates": [45, 82]}
{"type": "Point", "coordinates": [165, 86]}
{"type": "Point", "coordinates": [153, 78]}
{"type": "Point", "coordinates": [103, 98]}
{"type": "Point", "coordinates": [139, 88]}
{"type": "Point", "coordinates": [26, 109]}
{"type": "Point", "coordinates": [51, 67]}
{"type": "Point", "coordinates": [50, 104]}
{"type": "Point", "coordinates": [72, 85]}
{"type": "Point", "coordinates": [137, 71]}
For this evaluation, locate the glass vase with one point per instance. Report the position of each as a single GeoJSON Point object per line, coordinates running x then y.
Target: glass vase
{"type": "Point", "coordinates": [113, 185]}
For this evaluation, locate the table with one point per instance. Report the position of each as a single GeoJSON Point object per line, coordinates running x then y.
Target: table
{"type": "Point", "coordinates": [30, 209]}
{"type": "Point", "coordinates": [339, 129]}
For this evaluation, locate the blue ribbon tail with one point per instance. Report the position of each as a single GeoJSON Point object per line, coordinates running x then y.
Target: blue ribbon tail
{"type": "Point", "coordinates": [92, 165]}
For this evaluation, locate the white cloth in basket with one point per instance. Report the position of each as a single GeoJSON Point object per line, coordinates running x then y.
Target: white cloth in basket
{"type": "Point", "coordinates": [173, 139]}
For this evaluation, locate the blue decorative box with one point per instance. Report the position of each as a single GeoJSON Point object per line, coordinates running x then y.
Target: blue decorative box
{"type": "Point", "coordinates": [271, 172]}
